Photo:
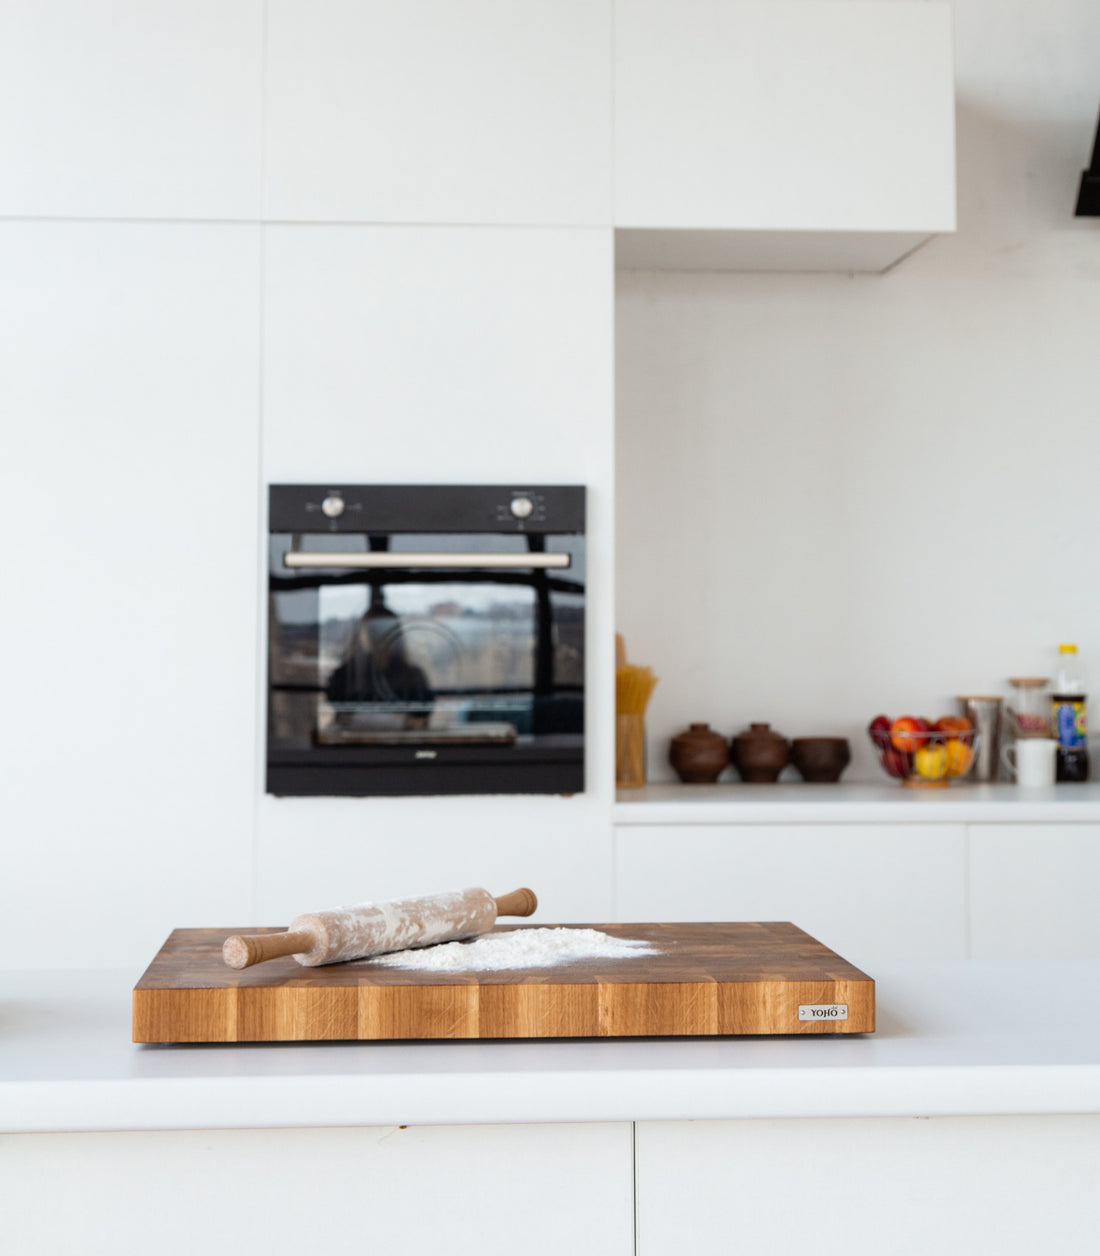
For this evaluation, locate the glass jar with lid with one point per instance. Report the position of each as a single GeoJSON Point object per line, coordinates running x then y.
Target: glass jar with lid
{"type": "Point", "coordinates": [1029, 707]}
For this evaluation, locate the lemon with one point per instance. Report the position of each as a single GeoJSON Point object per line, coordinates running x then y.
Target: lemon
{"type": "Point", "coordinates": [931, 762]}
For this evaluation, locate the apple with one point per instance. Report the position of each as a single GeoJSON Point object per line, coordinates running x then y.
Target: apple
{"type": "Point", "coordinates": [896, 762]}
{"type": "Point", "coordinates": [906, 733]}
{"type": "Point", "coordinates": [952, 724]}
{"type": "Point", "coordinates": [879, 730]}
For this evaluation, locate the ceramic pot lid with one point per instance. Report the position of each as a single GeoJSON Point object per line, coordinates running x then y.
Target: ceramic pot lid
{"type": "Point", "coordinates": [760, 732]}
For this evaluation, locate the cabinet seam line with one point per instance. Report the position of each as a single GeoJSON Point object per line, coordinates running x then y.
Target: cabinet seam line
{"type": "Point", "coordinates": [260, 707]}
{"type": "Point", "coordinates": [634, 1184]}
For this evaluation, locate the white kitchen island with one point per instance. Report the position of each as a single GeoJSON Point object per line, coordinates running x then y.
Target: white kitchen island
{"type": "Point", "coordinates": [753, 1145]}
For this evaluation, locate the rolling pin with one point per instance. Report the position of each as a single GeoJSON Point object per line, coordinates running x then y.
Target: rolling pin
{"type": "Point", "coordinates": [365, 929]}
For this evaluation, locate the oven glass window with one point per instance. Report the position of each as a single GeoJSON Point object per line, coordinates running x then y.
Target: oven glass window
{"type": "Point", "coordinates": [415, 655]}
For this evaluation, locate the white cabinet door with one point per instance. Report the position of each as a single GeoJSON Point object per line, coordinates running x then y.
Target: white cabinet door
{"type": "Point", "coordinates": [116, 109]}
{"type": "Point", "coordinates": [130, 387]}
{"type": "Point", "coordinates": [436, 111]}
{"type": "Point", "coordinates": [907, 1186]}
{"type": "Point", "coordinates": [460, 1190]}
{"type": "Point", "coordinates": [410, 355]}
{"type": "Point", "coordinates": [827, 118]}
{"type": "Point", "coordinates": [873, 893]}
{"type": "Point", "coordinates": [1033, 891]}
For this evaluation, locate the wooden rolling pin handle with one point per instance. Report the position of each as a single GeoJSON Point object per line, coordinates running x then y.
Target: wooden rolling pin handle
{"type": "Point", "coordinates": [518, 903]}
{"type": "Point", "coordinates": [244, 950]}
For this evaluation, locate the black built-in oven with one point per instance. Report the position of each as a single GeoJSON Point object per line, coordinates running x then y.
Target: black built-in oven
{"type": "Point", "coordinates": [425, 640]}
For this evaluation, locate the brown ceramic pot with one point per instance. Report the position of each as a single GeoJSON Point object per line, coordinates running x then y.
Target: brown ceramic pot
{"type": "Point", "coordinates": [821, 760]}
{"type": "Point", "coordinates": [759, 754]}
{"type": "Point", "coordinates": [699, 754]}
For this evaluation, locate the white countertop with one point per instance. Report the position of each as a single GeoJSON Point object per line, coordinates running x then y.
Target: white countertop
{"type": "Point", "coordinates": [856, 803]}
{"type": "Point", "coordinates": [953, 1039]}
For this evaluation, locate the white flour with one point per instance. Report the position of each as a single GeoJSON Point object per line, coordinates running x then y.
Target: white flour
{"type": "Point", "coordinates": [518, 948]}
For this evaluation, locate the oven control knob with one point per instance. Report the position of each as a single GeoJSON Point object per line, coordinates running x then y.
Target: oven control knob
{"type": "Point", "coordinates": [332, 507]}
{"type": "Point", "coordinates": [522, 507]}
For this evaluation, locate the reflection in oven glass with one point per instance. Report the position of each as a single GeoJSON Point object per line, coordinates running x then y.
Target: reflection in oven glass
{"type": "Point", "coordinates": [457, 662]}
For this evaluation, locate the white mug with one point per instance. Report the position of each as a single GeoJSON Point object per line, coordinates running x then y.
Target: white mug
{"type": "Point", "coordinates": [1031, 761]}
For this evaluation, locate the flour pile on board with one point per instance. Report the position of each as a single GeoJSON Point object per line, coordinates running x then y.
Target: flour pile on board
{"type": "Point", "coordinates": [518, 948]}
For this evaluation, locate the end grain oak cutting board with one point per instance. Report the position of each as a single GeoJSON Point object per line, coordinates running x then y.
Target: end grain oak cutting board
{"type": "Point", "coordinates": [707, 979]}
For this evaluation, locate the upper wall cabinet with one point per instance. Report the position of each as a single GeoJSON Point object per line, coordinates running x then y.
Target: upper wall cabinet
{"type": "Point", "coordinates": [117, 109]}
{"type": "Point", "coordinates": [418, 111]}
{"type": "Point", "coordinates": [811, 135]}
{"type": "Point", "coordinates": [469, 353]}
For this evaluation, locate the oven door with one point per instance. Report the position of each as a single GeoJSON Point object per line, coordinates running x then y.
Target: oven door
{"type": "Point", "coordinates": [417, 664]}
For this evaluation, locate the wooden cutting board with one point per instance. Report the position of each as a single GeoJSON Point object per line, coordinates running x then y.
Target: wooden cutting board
{"type": "Point", "coordinates": [708, 979]}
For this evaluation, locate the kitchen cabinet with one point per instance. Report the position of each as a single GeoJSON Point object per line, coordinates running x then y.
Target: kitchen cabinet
{"type": "Point", "coordinates": [123, 110]}
{"type": "Point", "coordinates": [449, 354]}
{"type": "Point", "coordinates": [774, 1186]}
{"type": "Point", "coordinates": [796, 135]}
{"type": "Point", "coordinates": [1032, 890]}
{"type": "Point", "coordinates": [434, 112]}
{"type": "Point", "coordinates": [873, 893]}
{"type": "Point", "coordinates": [420, 1191]}
{"type": "Point", "coordinates": [946, 1183]}
{"type": "Point", "coordinates": [382, 848]}
{"type": "Point", "coordinates": [131, 386]}
{"type": "Point", "coordinates": [909, 1186]}
{"type": "Point", "coordinates": [989, 872]}
{"type": "Point", "coordinates": [813, 135]}
{"type": "Point", "coordinates": [462, 355]}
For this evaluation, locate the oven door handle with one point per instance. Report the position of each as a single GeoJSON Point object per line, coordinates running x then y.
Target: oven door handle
{"type": "Point", "coordinates": [384, 559]}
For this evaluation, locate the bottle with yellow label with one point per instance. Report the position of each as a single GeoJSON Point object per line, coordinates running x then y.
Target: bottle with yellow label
{"type": "Point", "coordinates": [1068, 718]}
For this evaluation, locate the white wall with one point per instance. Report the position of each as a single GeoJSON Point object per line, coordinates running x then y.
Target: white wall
{"type": "Point", "coordinates": [841, 496]}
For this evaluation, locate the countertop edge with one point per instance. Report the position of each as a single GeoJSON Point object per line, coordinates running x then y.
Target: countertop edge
{"type": "Point", "coordinates": [140, 1104]}
{"type": "Point", "coordinates": [856, 803]}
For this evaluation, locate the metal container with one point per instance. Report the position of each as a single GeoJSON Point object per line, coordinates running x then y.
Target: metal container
{"type": "Point", "coordinates": [984, 713]}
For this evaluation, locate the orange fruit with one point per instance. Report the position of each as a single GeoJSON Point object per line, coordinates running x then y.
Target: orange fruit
{"type": "Point", "coordinates": [959, 756]}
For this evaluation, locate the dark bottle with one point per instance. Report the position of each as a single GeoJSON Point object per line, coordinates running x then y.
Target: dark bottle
{"type": "Point", "coordinates": [1073, 758]}
{"type": "Point", "coordinates": [1069, 721]}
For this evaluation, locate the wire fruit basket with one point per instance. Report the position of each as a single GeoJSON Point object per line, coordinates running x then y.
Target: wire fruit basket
{"type": "Point", "coordinates": [926, 758]}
